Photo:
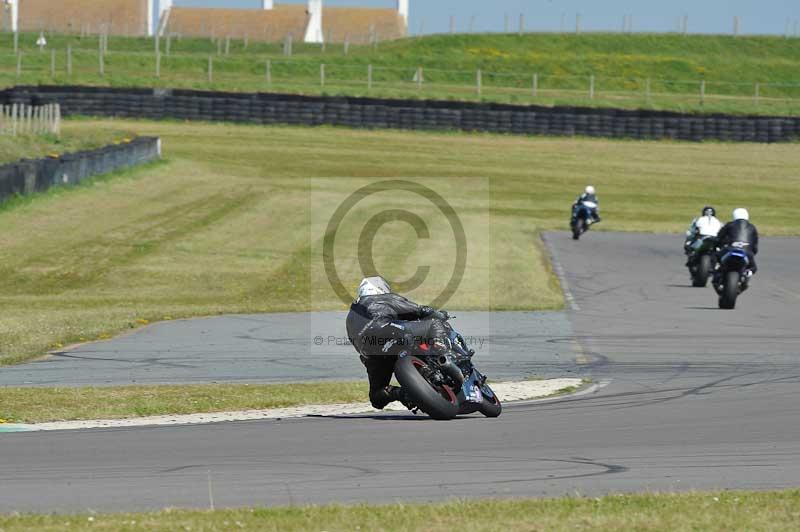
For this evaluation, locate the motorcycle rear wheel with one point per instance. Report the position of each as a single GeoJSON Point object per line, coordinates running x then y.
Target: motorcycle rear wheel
{"type": "Point", "coordinates": [439, 402]}
{"type": "Point", "coordinates": [700, 278]}
{"type": "Point", "coordinates": [730, 290]}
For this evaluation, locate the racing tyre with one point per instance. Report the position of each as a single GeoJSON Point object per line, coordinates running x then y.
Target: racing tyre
{"type": "Point", "coordinates": [577, 228]}
{"type": "Point", "coordinates": [700, 278]}
{"type": "Point", "coordinates": [727, 299]}
{"type": "Point", "coordinates": [491, 407]}
{"type": "Point", "coordinates": [439, 402]}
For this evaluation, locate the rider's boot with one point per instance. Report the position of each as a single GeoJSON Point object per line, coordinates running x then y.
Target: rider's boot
{"type": "Point", "coordinates": [389, 394]}
{"type": "Point", "coordinates": [397, 394]}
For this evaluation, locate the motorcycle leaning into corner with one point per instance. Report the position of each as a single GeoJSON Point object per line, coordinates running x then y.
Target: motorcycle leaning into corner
{"type": "Point", "coordinates": [732, 275]}
{"type": "Point", "coordinates": [584, 214]}
{"type": "Point", "coordinates": [445, 385]}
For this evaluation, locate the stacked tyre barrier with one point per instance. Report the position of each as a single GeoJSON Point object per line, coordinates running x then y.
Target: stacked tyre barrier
{"type": "Point", "coordinates": [38, 175]}
{"type": "Point", "coordinates": [372, 113]}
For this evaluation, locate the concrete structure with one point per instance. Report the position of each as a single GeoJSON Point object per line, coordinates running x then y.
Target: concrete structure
{"type": "Point", "coordinates": [14, 15]}
{"type": "Point", "coordinates": [403, 10]}
{"type": "Point", "coordinates": [314, 28]}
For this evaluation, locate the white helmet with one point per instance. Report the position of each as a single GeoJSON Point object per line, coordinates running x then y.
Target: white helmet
{"type": "Point", "coordinates": [589, 189]}
{"type": "Point", "coordinates": [373, 286]}
{"type": "Point", "coordinates": [741, 214]}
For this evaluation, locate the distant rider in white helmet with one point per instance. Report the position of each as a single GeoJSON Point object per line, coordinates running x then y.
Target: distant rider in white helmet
{"type": "Point", "coordinates": [700, 233]}
{"type": "Point", "coordinates": [589, 199]}
{"type": "Point", "coordinates": [740, 233]}
{"type": "Point", "coordinates": [381, 325]}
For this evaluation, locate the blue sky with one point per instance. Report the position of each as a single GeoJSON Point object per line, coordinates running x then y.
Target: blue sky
{"type": "Point", "coordinates": [705, 16]}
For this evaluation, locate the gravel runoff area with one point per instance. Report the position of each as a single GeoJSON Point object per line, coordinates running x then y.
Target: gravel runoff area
{"type": "Point", "coordinates": [507, 391]}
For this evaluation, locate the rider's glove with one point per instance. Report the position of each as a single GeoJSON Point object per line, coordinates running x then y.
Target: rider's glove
{"type": "Point", "coordinates": [441, 315]}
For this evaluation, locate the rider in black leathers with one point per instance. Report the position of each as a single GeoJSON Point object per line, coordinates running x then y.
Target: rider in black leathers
{"type": "Point", "coordinates": [740, 233]}
{"type": "Point", "coordinates": [381, 325]}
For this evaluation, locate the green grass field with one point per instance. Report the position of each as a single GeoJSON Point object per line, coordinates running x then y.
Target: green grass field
{"type": "Point", "coordinates": [231, 222]}
{"type": "Point", "coordinates": [40, 405]}
{"type": "Point", "coordinates": [621, 64]}
{"type": "Point", "coordinates": [722, 511]}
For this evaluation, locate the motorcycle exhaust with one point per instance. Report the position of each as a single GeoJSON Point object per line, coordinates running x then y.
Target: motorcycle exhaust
{"type": "Point", "coordinates": [451, 369]}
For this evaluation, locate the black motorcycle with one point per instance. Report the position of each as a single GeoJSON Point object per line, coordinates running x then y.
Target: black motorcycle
{"type": "Point", "coordinates": [446, 385]}
{"type": "Point", "coordinates": [582, 218]}
{"type": "Point", "coordinates": [702, 261]}
{"type": "Point", "coordinates": [732, 276]}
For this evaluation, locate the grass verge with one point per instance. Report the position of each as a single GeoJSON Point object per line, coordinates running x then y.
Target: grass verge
{"type": "Point", "coordinates": [37, 146]}
{"type": "Point", "coordinates": [626, 67]}
{"type": "Point", "coordinates": [226, 225]}
{"type": "Point", "coordinates": [40, 405]}
{"type": "Point", "coordinates": [730, 510]}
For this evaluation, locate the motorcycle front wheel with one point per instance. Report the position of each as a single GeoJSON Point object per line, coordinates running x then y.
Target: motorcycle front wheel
{"type": "Point", "coordinates": [577, 228]}
{"type": "Point", "coordinates": [491, 407]}
{"type": "Point", "coordinates": [438, 401]}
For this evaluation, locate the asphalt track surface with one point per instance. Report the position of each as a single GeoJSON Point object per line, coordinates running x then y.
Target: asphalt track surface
{"type": "Point", "coordinates": [698, 398]}
{"type": "Point", "coordinates": [286, 348]}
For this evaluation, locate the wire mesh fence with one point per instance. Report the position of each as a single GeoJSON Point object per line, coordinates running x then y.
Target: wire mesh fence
{"type": "Point", "coordinates": [251, 72]}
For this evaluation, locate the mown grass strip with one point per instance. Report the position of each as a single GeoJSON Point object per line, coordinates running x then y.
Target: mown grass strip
{"type": "Point", "coordinates": [39, 405]}
{"type": "Point", "coordinates": [723, 511]}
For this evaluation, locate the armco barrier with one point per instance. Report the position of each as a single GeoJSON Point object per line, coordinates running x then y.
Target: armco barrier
{"type": "Point", "coordinates": [267, 108]}
{"type": "Point", "coordinates": [36, 175]}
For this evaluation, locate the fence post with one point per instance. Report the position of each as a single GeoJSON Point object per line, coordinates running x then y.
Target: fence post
{"type": "Point", "coordinates": [52, 63]}
{"type": "Point", "coordinates": [479, 80]}
{"type": "Point", "coordinates": [369, 77]}
{"type": "Point", "coordinates": [452, 24]}
{"type": "Point", "coordinates": [19, 65]}
{"type": "Point", "coordinates": [228, 45]}
{"type": "Point", "coordinates": [535, 86]}
{"type": "Point", "coordinates": [29, 118]}
{"type": "Point", "coordinates": [14, 118]}
{"type": "Point", "coordinates": [346, 44]}
{"type": "Point", "coordinates": [219, 46]}
{"type": "Point", "coordinates": [69, 60]}
{"type": "Point", "coordinates": [521, 24]}
{"type": "Point", "coordinates": [647, 91]}
{"type": "Point", "coordinates": [577, 23]}
{"type": "Point", "coordinates": [736, 26]}
{"type": "Point", "coordinates": [57, 124]}
{"type": "Point", "coordinates": [591, 87]}
{"type": "Point", "coordinates": [211, 69]}
{"type": "Point", "coordinates": [102, 63]}
{"type": "Point", "coordinates": [757, 94]}
{"type": "Point", "coordinates": [158, 64]}
{"type": "Point", "coordinates": [322, 74]}
{"type": "Point", "coordinates": [419, 78]}
{"type": "Point", "coordinates": [702, 92]}
{"type": "Point", "coordinates": [268, 72]}
{"type": "Point", "coordinates": [16, 42]}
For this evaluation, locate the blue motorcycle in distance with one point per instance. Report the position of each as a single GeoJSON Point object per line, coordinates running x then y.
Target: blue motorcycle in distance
{"type": "Point", "coordinates": [731, 276]}
{"type": "Point", "coordinates": [583, 216]}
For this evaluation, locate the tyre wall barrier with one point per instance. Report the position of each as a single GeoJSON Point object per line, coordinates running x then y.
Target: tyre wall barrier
{"type": "Point", "coordinates": [36, 175]}
{"type": "Point", "coordinates": [374, 113]}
